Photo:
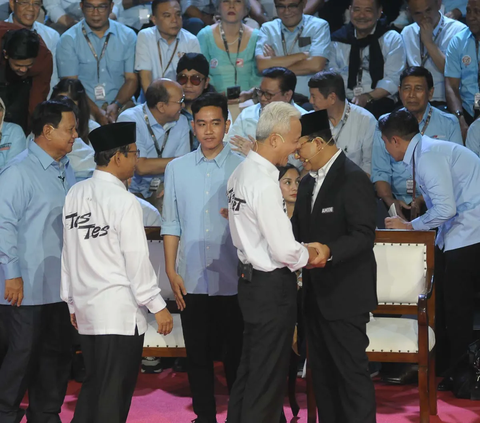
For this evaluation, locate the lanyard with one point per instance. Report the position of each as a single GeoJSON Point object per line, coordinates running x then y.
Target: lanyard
{"type": "Point", "coordinates": [284, 43]}
{"type": "Point", "coordinates": [427, 121]}
{"type": "Point", "coordinates": [425, 56]}
{"type": "Point", "coordinates": [240, 35]}
{"type": "Point", "coordinates": [94, 52]}
{"type": "Point", "coordinates": [360, 69]}
{"type": "Point", "coordinates": [171, 58]}
{"type": "Point", "coordinates": [154, 138]}
{"type": "Point", "coordinates": [414, 182]}
{"type": "Point", "coordinates": [347, 114]}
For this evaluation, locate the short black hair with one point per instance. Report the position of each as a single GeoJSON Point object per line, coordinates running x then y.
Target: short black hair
{"type": "Point", "coordinates": [155, 3]}
{"type": "Point", "coordinates": [328, 82]}
{"type": "Point", "coordinates": [378, 3]}
{"type": "Point", "coordinates": [210, 99]}
{"type": "Point", "coordinates": [401, 123]}
{"type": "Point", "coordinates": [420, 72]}
{"type": "Point", "coordinates": [49, 113]}
{"type": "Point", "coordinates": [156, 93]}
{"type": "Point", "coordinates": [21, 44]}
{"type": "Point", "coordinates": [284, 169]}
{"type": "Point", "coordinates": [103, 157]}
{"type": "Point", "coordinates": [287, 79]}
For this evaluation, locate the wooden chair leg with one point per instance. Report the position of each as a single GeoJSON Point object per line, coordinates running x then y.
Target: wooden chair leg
{"type": "Point", "coordinates": [432, 384]}
{"type": "Point", "coordinates": [311, 404]}
{"type": "Point", "coordinates": [423, 393]}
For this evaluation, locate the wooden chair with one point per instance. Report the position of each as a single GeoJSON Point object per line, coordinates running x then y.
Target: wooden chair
{"type": "Point", "coordinates": [405, 262]}
{"type": "Point", "coordinates": [156, 345]}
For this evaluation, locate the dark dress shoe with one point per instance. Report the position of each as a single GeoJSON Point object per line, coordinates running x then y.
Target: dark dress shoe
{"type": "Point", "coordinates": [446, 384]}
{"type": "Point", "coordinates": [402, 374]}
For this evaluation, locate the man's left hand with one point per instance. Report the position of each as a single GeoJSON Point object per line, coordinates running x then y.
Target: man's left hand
{"type": "Point", "coordinates": [396, 222]}
{"type": "Point", "coordinates": [112, 112]}
{"type": "Point", "coordinates": [323, 254]}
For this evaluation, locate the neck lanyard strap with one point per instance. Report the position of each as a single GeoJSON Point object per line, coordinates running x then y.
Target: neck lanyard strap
{"type": "Point", "coordinates": [171, 57]}
{"type": "Point", "coordinates": [347, 114]}
{"type": "Point", "coordinates": [152, 134]}
{"type": "Point", "coordinates": [284, 43]}
{"type": "Point", "coordinates": [427, 121]}
{"type": "Point", "coordinates": [224, 38]}
{"type": "Point", "coordinates": [92, 49]}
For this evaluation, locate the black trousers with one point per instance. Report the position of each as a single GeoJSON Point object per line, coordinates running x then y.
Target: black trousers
{"type": "Point", "coordinates": [38, 359]}
{"type": "Point", "coordinates": [456, 275]}
{"type": "Point", "coordinates": [212, 329]}
{"type": "Point", "coordinates": [343, 389]}
{"type": "Point", "coordinates": [111, 363]}
{"type": "Point", "coordinates": [269, 308]}
{"type": "Point", "coordinates": [379, 107]}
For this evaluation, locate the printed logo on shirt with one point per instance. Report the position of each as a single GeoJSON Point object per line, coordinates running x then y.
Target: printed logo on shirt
{"type": "Point", "coordinates": [213, 63]}
{"type": "Point", "coordinates": [180, 54]}
{"type": "Point", "coordinates": [239, 63]}
{"type": "Point", "coordinates": [466, 60]}
{"type": "Point", "coordinates": [234, 202]}
{"type": "Point", "coordinates": [327, 210]}
{"type": "Point", "coordinates": [6, 146]}
{"type": "Point", "coordinates": [81, 222]}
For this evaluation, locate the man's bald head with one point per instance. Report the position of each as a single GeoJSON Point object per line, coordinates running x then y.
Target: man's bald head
{"type": "Point", "coordinates": [161, 90]}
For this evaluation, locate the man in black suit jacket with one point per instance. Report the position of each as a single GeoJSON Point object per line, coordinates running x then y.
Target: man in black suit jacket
{"type": "Point", "coordinates": [336, 206]}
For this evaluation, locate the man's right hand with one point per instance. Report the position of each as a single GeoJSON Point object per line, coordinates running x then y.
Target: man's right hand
{"type": "Point", "coordinates": [164, 321]}
{"type": "Point", "coordinates": [14, 291]}
{"type": "Point", "coordinates": [178, 288]}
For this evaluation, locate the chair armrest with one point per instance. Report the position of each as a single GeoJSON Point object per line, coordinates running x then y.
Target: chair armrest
{"type": "Point", "coordinates": [422, 310]}
{"type": "Point", "coordinates": [430, 281]}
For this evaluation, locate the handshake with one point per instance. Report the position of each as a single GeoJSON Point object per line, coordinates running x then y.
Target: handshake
{"type": "Point", "coordinates": [318, 255]}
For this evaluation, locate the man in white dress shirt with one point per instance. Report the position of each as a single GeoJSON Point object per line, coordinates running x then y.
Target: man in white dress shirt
{"type": "Point", "coordinates": [25, 13]}
{"type": "Point", "coordinates": [426, 41]}
{"type": "Point", "coordinates": [268, 258]}
{"type": "Point", "coordinates": [352, 126]}
{"type": "Point", "coordinates": [107, 278]}
{"type": "Point", "coordinates": [369, 56]}
{"type": "Point", "coordinates": [160, 47]}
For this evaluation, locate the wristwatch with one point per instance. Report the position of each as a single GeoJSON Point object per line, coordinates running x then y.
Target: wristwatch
{"type": "Point", "coordinates": [370, 98]}
{"type": "Point", "coordinates": [120, 105]}
{"type": "Point", "coordinates": [458, 113]}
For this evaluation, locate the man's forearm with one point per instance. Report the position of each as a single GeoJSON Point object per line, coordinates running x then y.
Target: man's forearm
{"type": "Point", "coordinates": [170, 245]}
{"type": "Point", "coordinates": [256, 12]}
{"type": "Point", "coordinates": [152, 166]}
{"type": "Point", "coordinates": [284, 61]}
{"type": "Point", "coordinates": [312, 6]}
{"type": "Point", "coordinates": [437, 56]}
{"type": "Point", "coordinates": [94, 109]}
{"type": "Point", "coordinates": [194, 12]}
{"type": "Point", "coordinates": [384, 191]}
{"type": "Point", "coordinates": [308, 66]}
{"type": "Point", "coordinates": [452, 93]}
{"type": "Point", "coordinates": [127, 90]}
{"type": "Point", "coordinates": [379, 93]}
{"type": "Point", "coordinates": [128, 4]}
{"type": "Point", "coordinates": [145, 79]}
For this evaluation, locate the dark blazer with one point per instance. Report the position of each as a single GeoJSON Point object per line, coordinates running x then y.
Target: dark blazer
{"type": "Point", "coordinates": [343, 218]}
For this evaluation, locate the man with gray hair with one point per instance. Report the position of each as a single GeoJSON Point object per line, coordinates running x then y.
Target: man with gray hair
{"type": "Point", "coordinates": [268, 258]}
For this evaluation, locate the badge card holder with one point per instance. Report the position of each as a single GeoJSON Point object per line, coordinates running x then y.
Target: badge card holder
{"type": "Point", "coordinates": [410, 186]}
{"type": "Point", "coordinates": [99, 91]}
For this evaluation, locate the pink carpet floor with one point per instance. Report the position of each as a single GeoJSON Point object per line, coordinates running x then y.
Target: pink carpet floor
{"type": "Point", "coordinates": [164, 398]}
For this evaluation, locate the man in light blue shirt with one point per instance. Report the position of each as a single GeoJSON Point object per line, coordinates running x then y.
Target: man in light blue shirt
{"type": "Point", "coordinates": [296, 41]}
{"type": "Point", "coordinates": [33, 189]}
{"type": "Point", "coordinates": [162, 135]}
{"type": "Point", "coordinates": [393, 181]}
{"type": "Point", "coordinates": [203, 271]}
{"type": "Point", "coordinates": [12, 138]}
{"type": "Point", "coordinates": [101, 53]}
{"type": "Point", "coordinates": [431, 32]}
{"type": "Point", "coordinates": [473, 137]}
{"type": "Point", "coordinates": [448, 176]}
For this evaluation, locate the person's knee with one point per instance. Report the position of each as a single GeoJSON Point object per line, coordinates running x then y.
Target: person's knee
{"type": "Point", "coordinates": [193, 25]}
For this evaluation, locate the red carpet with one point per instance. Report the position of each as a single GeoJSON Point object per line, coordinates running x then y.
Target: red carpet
{"type": "Point", "coordinates": [164, 398]}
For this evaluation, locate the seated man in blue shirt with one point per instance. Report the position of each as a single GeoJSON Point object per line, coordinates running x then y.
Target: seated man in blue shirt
{"type": "Point", "coordinates": [449, 178]}
{"type": "Point", "coordinates": [33, 189]}
{"type": "Point", "coordinates": [296, 41]}
{"type": "Point", "coordinates": [202, 271]}
{"type": "Point", "coordinates": [393, 181]}
{"type": "Point", "coordinates": [162, 135]}
{"type": "Point", "coordinates": [101, 53]}
{"type": "Point", "coordinates": [12, 138]}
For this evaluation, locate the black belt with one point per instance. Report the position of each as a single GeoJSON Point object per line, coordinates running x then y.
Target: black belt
{"type": "Point", "coordinates": [246, 271]}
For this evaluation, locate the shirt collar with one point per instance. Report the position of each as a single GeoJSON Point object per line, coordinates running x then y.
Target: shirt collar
{"type": "Point", "coordinates": [407, 159]}
{"type": "Point", "coordinates": [301, 24]}
{"type": "Point", "coordinates": [111, 28]}
{"type": "Point", "coordinates": [326, 167]}
{"type": "Point", "coordinates": [151, 118]}
{"type": "Point", "coordinates": [43, 157]}
{"type": "Point", "coordinates": [437, 28]}
{"type": "Point", "coordinates": [159, 37]}
{"type": "Point", "coordinates": [219, 159]}
{"type": "Point", "coordinates": [108, 177]}
{"type": "Point", "coordinates": [263, 162]}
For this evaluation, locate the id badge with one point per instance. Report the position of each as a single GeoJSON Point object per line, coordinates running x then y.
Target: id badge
{"type": "Point", "coordinates": [410, 186]}
{"type": "Point", "coordinates": [476, 103]}
{"type": "Point", "coordinates": [99, 92]}
{"type": "Point", "coordinates": [154, 184]}
{"type": "Point", "coordinates": [143, 16]}
{"type": "Point", "coordinates": [358, 90]}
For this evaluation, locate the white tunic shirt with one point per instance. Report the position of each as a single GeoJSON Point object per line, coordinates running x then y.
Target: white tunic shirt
{"type": "Point", "coordinates": [259, 225]}
{"type": "Point", "coordinates": [107, 278]}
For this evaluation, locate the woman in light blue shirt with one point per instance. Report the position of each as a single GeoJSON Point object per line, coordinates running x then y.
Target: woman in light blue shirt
{"type": "Point", "coordinates": [232, 55]}
{"type": "Point", "coordinates": [12, 138]}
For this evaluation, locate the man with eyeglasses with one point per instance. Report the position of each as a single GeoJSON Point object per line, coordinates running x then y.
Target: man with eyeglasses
{"type": "Point", "coordinates": [278, 84]}
{"type": "Point", "coordinates": [296, 41]}
{"type": "Point", "coordinates": [160, 47]}
{"type": "Point", "coordinates": [370, 57]}
{"type": "Point", "coordinates": [162, 135]}
{"type": "Point", "coordinates": [101, 53]}
{"type": "Point", "coordinates": [25, 13]}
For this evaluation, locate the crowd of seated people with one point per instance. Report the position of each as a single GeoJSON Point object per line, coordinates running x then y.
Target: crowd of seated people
{"type": "Point", "coordinates": [149, 61]}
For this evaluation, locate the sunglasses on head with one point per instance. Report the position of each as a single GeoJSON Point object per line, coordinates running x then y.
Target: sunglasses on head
{"type": "Point", "coordinates": [182, 79]}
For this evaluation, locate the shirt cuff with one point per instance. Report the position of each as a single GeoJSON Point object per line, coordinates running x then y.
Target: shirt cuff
{"type": "Point", "coordinates": [419, 225]}
{"type": "Point", "coordinates": [170, 229]}
{"type": "Point", "coordinates": [388, 85]}
{"type": "Point", "coordinates": [71, 308]}
{"type": "Point", "coordinates": [156, 304]}
{"type": "Point", "coordinates": [12, 270]}
{"type": "Point", "coordinates": [302, 262]}
{"type": "Point", "coordinates": [376, 177]}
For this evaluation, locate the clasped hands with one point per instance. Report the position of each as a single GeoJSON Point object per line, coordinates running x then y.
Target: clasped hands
{"type": "Point", "coordinates": [318, 255]}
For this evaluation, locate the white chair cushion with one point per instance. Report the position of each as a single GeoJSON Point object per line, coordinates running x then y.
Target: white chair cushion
{"type": "Point", "coordinates": [172, 340]}
{"type": "Point", "coordinates": [401, 270]}
{"type": "Point", "coordinates": [157, 258]}
{"type": "Point", "coordinates": [389, 334]}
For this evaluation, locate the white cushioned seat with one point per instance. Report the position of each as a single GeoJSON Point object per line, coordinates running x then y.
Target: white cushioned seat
{"type": "Point", "coordinates": [389, 334]}
{"type": "Point", "coordinates": [172, 340]}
